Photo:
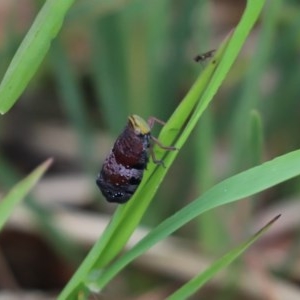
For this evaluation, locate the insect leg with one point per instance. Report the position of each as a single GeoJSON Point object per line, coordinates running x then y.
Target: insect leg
{"type": "Point", "coordinates": [152, 120]}
{"type": "Point", "coordinates": [155, 160]}
{"type": "Point", "coordinates": [156, 141]}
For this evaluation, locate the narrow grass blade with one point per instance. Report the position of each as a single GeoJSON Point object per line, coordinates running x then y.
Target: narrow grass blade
{"type": "Point", "coordinates": [32, 51]}
{"type": "Point", "coordinates": [20, 191]}
{"type": "Point", "coordinates": [197, 282]}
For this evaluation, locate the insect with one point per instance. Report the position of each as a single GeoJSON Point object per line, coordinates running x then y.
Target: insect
{"type": "Point", "coordinates": [204, 56]}
{"type": "Point", "coordinates": [122, 170]}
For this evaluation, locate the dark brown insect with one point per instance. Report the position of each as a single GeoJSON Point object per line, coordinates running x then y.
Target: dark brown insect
{"type": "Point", "coordinates": [204, 56]}
{"type": "Point", "coordinates": [123, 169]}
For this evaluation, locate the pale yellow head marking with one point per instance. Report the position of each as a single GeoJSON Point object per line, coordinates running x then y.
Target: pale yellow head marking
{"type": "Point", "coordinates": [139, 125]}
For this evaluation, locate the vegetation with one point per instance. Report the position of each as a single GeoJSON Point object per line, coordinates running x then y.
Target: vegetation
{"type": "Point", "coordinates": [82, 68]}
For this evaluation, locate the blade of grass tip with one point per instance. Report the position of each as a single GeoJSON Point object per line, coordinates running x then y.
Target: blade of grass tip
{"type": "Point", "coordinates": [18, 192]}
{"type": "Point", "coordinates": [235, 188]}
{"type": "Point", "coordinates": [32, 51]}
{"type": "Point", "coordinates": [197, 282]}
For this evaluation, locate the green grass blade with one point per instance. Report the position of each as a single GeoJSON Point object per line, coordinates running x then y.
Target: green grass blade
{"type": "Point", "coordinates": [18, 192]}
{"type": "Point", "coordinates": [32, 51]}
{"type": "Point", "coordinates": [235, 188]}
{"type": "Point", "coordinates": [197, 282]}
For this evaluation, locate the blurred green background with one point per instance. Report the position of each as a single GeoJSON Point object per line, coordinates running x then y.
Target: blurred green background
{"type": "Point", "coordinates": [115, 58]}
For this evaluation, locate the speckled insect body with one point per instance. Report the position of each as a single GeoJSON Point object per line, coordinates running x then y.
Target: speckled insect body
{"type": "Point", "coordinates": [123, 169]}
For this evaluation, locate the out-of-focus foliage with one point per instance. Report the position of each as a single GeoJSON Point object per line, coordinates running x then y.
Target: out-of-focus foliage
{"type": "Point", "coordinates": [114, 58]}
